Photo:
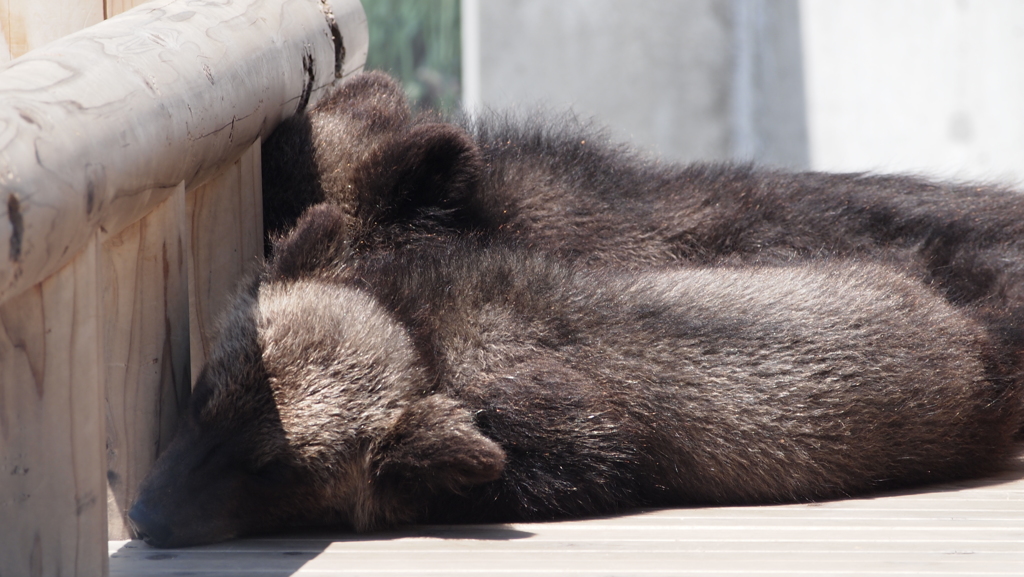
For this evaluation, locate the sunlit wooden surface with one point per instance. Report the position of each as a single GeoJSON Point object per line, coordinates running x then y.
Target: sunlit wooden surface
{"type": "Point", "coordinates": [129, 210]}
{"type": "Point", "coordinates": [973, 528]}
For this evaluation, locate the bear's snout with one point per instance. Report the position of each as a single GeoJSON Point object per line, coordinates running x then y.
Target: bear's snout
{"type": "Point", "coordinates": [149, 525]}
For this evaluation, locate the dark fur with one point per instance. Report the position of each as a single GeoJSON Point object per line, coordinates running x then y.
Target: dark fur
{"type": "Point", "coordinates": [557, 186]}
{"type": "Point", "coordinates": [454, 381]}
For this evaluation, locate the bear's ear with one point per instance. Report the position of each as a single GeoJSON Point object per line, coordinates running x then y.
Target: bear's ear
{"type": "Point", "coordinates": [372, 100]}
{"type": "Point", "coordinates": [434, 445]}
{"type": "Point", "coordinates": [317, 246]}
{"type": "Point", "coordinates": [432, 169]}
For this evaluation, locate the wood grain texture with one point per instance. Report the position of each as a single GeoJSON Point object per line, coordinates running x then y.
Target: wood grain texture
{"type": "Point", "coordinates": [52, 481]}
{"type": "Point", "coordinates": [145, 314]}
{"type": "Point", "coordinates": [29, 24]}
{"type": "Point", "coordinates": [163, 93]}
{"type": "Point", "coordinates": [115, 7]}
{"type": "Point", "coordinates": [99, 134]}
{"type": "Point", "coordinates": [226, 245]}
{"type": "Point", "coordinates": [974, 528]}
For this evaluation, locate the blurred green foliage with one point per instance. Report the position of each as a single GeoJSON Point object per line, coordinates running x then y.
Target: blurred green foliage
{"type": "Point", "coordinates": [418, 42]}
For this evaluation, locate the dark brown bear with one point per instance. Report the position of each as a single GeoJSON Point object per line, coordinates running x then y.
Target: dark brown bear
{"type": "Point", "coordinates": [454, 381]}
{"type": "Point", "coordinates": [562, 188]}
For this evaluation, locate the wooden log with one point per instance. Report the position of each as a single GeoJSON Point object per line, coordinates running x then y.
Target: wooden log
{"type": "Point", "coordinates": [161, 94]}
{"type": "Point", "coordinates": [51, 426]}
{"type": "Point", "coordinates": [146, 310]}
{"type": "Point", "coordinates": [146, 336]}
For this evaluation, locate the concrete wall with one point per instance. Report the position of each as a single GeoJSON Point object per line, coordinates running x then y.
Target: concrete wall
{"type": "Point", "coordinates": [701, 79]}
{"type": "Point", "coordinates": [932, 86]}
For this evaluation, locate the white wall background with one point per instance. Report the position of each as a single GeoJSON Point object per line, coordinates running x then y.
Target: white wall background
{"type": "Point", "coordinates": [604, 58]}
{"type": "Point", "coordinates": [927, 86]}
{"type": "Point", "coordinates": [933, 86]}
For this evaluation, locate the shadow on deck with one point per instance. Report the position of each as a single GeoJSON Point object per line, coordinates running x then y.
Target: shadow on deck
{"type": "Point", "coordinates": [969, 528]}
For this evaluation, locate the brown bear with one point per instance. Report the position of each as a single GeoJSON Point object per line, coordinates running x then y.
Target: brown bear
{"type": "Point", "coordinates": [470, 380]}
{"type": "Point", "coordinates": [559, 186]}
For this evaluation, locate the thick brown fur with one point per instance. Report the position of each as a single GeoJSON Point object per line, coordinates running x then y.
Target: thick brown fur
{"type": "Point", "coordinates": [559, 186]}
{"type": "Point", "coordinates": [392, 170]}
{"type": "Point", "coordinates": [471, 380]}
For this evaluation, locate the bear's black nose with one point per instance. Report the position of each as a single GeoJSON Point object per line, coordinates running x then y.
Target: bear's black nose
{"type": "Point", "coordinates": [149, 526]}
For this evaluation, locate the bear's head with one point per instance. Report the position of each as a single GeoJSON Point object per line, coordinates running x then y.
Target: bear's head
{"type": "Point", "coordinates": [313, 408]}
{"type": "Point", "coordinates": [361, 149]}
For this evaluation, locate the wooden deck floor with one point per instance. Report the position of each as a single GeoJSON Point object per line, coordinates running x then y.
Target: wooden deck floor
{"type": "Point", "coordinates": [974, 528]}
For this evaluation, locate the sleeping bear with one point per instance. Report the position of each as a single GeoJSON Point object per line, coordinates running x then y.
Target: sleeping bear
{"type": "Point", "coordinates": [467, 378]}
{"type": "Point", "coordinates": [559, 186]}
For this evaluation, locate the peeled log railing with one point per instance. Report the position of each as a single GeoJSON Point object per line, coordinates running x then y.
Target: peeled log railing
{"type": "Point", "coordinates": [129, 208]}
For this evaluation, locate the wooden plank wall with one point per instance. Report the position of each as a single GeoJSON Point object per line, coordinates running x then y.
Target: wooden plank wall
{"type": "Point", "coordinates": [141, 277]}
{"type": "Point", "coordinates": [60, 463]}
{"type": "Point", "coordinates": [50, 337]}
{"type": "Point", "coordinates": [225, 212]}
